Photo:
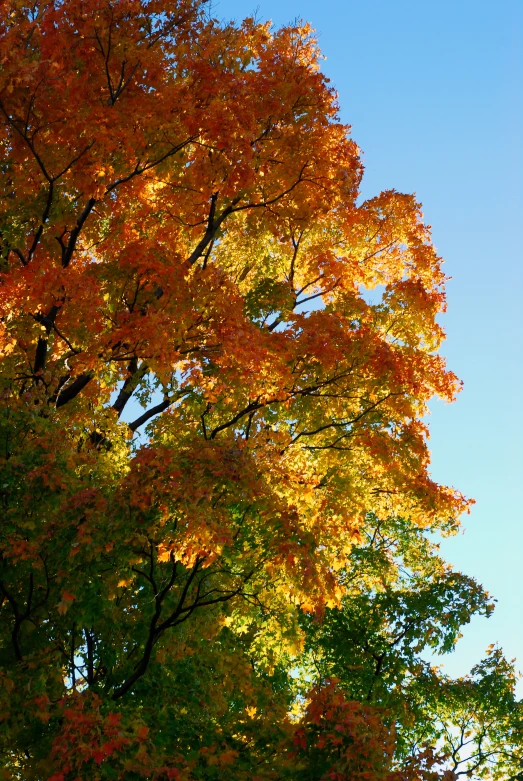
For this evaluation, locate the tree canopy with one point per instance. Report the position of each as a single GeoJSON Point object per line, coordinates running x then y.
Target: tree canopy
{"type": "Point", "coordinates": [217, 540]}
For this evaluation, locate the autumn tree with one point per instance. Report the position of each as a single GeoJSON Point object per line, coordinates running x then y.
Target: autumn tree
{"type": "Point", "coordinates": [199, 407]}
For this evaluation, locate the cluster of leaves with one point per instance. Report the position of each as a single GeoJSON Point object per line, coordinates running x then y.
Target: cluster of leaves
{"type": "Point", "coordinates": [381, 647]}
{"type": "Point", "coordinates": [233, 577]}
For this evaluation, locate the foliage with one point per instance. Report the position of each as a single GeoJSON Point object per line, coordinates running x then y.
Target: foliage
{"type": "Point", "coordinates": [175, 193]}
{"type": "Point", "coordinates": [403, 601]}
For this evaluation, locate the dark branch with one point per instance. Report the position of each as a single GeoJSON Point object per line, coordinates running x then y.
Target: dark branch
{"type": "Point", "coordinates": [20, 255]}
{"type": "Point", "coordinates": [135, 375]}
{"type": "Point", "coordinates": [150, 413]}
{"type": "Point", "coordinates": [138, 170]}
{"type": "Point", "coordinates": [69, 248]}
{"type": "Point", "coordinates": [72, 390]}
{"type": "Point", "coordinates": [154, 631]}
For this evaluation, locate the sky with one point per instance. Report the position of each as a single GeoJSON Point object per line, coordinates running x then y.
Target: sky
{"type": "Point", "coordinates": [433, 90]}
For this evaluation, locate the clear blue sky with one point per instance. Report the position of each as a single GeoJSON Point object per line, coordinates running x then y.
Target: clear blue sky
{"type": "Point", "coordinates": [433, 90]}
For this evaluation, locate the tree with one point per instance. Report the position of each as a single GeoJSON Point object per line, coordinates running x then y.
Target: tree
{"type": "Point", "coordinates": [401, 601]}
{"type": "Point", "coordinates": [176, 194]}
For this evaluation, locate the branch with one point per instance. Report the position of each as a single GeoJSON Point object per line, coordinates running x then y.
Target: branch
{"type": "Point", "coordinates": [92, 646]}
{"type": "Point", "coordinates": [317, 295]}
{"type": "Point", "coordinates": [66, 340]}
{"type": "Point", "coordinates": [180, 614]}
{"type": "Point", "coordinates": [296, 247]}
{"type": "Point", "coordinates": [308, 391]}
{"type": "Point", "coordinates": [51, 181]}
{"type": "Point", "coordinates": [165, 404]}
{"type": "Point", "coordinates": [150, 413]}
{"type": "Point", "coordinates": [16, 628]}
{"type": "Point", "coordinates": [252, 407]}
{"type": "Point", "coordinates": [130, 384]}
{"type": "Point", "coordinates": [72, 390]}
{"type": "Point", "coordinates": [212, 226]}
{"type": "Point", "coordinates": [114, 94]}
{"type": "Point", "coordinates": [41, 347]}
{"type": "Point", "coordinates": [45, 215]}
{"type": "Point", "coordinates": [20, 255]}
{"type": "Point", "coordinates": [138, 170]}
{"type": "Point", "coordinates": [19, 617]}
{"type": "Point", "coordinates": [154, 633]}
{"type": "Point", "coordinates": [342, 424]}
{"type": "Point", "coordinates": [67, 250]}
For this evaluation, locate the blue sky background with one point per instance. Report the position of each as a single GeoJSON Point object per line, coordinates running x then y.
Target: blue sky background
{"type": "Point", "coordinates": [433, 90]}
